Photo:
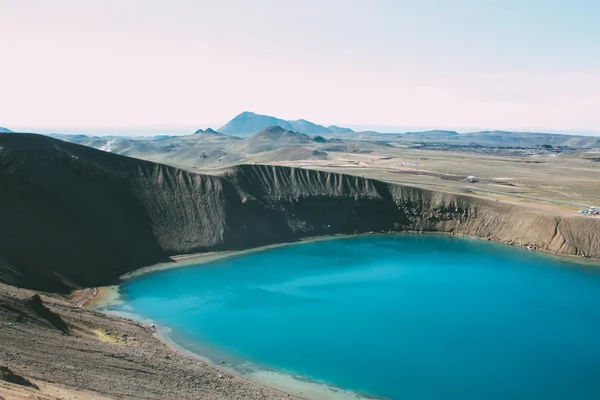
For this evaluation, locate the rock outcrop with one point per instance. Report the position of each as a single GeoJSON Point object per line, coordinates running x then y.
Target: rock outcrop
{"type": "Point", "coordinates": [73, 216]}
{"type": "Point", "coordinates": [7, 375]}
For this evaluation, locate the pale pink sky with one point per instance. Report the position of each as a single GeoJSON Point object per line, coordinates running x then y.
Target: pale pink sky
{"type": "Point", "coordinates": [503, 65]}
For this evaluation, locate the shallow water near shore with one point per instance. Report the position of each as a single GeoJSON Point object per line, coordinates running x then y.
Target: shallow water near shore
{"type": "Point", "coordinates": [403, 317]}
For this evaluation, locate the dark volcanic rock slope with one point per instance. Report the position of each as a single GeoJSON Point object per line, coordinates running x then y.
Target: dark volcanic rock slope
{"type": "Point", "coordinates": [73, 216]}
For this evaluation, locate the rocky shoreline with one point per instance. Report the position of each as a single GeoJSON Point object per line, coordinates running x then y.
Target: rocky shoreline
{"type": "Point", "coordinates": [109, 356]}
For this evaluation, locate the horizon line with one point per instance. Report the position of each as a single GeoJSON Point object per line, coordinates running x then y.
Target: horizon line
{"type": "Point", "coordinates": [391, 129]}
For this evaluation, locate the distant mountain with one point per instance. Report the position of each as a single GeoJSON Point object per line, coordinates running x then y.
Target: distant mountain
{"type": "Point", "coordinates": [339, 129]}
{"type": "Point", "coordinates": [309, 128]}
{"type": "Point", "coordinates": [4, 130]}
{"type": "Point", "coordinates": [248, 123]}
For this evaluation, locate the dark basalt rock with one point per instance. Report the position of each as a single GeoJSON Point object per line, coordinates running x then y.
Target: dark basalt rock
{"type": "Point", "coordinates": [7, 375]}
{"type": "Point", "coordinates": [36, 304]}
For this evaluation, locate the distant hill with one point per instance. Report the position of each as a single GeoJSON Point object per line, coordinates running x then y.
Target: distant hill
{"type": "Point", "coordinates": [208, 130]}
{"type": "Point", "coordinates": [527, 139]}
{"type": "Point", "coordinates": [208, 148]}
{"type": "Point", "coordinates": [434, 133]}
{"type": "Point", "coordinates": [4, 130]}
{"type": "Point", "coordinates": [492, 138]}
{"type": "Point", "coordinates": [248, 123]}
{"type": "Point", "coordinates": [274, 137]}
{"type": "Point", "coordinates": [339, 129]}
{"type": "Point", "coordinates": [211, 149]}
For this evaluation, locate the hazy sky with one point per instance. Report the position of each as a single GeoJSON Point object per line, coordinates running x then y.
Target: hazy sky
{"type": "Point", "coordinates": [506, 64]}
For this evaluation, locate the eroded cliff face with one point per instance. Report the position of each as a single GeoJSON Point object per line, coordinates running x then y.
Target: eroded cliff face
{"type": "Point", "coordinates": [512, 224]}
{"type": "Point", "coordinates": [353, 204]}
{"type": "Point", "coordinates": [74, 217]}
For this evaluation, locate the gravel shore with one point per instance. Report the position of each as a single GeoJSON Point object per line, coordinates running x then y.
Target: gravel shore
{"type": "Point", "coordinates": [60, 344]}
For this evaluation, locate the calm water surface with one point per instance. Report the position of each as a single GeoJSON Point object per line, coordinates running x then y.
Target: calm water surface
{"type": "Point", "coordinates": [404, 317]}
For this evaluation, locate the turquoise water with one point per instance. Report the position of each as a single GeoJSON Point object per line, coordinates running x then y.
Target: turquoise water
{"type": "Point", "coordinates": [403, 317]}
